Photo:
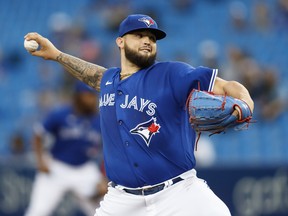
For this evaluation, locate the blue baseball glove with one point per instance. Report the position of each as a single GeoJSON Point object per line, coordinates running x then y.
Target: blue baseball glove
{"type": "Point", "coordinates": [213, 113]}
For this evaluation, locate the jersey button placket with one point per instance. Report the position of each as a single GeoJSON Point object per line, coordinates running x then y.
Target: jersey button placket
{"type": "Point", "coordinates": [119, 114]}
{"type": "Point", "coordinates": [120, 97]}
{"type": "Point", "coordinates": [119, 93]}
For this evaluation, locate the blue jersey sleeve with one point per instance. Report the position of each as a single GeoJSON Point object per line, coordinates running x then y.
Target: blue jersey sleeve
{"type": "Point", "coordinates": [184, 78]}
{"type": "Point", "coordinates": [50, 123]}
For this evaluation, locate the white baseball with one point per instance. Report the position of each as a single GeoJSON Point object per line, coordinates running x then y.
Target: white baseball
{"type": "Point", "coordinates": [31, 45]}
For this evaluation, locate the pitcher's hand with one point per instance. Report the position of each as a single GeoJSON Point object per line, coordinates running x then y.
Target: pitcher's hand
{"type": "Point", "coordinates": [47, 50]}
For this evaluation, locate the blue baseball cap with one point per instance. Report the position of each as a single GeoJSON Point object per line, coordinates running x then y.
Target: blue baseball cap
{"type": "Point", "coordinates": [140, 22]}
{"type": "Point", "coordinates": [81, 87]}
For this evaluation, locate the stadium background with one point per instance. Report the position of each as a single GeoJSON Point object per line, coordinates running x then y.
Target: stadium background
{"type": "Point", "coordinates": [246, 39]}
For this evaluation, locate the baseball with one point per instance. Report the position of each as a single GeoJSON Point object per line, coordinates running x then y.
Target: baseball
{"type": "Point", "coordinates": [31, 45]}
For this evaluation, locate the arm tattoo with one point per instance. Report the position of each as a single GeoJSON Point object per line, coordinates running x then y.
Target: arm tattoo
{"type": "Point", "coordinates": [82, 70]}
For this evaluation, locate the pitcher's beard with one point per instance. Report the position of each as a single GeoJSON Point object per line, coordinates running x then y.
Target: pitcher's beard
{"type": "Point", "coordinates": [138, 59]}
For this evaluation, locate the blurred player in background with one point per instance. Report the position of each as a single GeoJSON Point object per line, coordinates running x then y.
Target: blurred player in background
{"type": "Point", "coordinates": [71, 163]}
{"type": "Point", "coordinates": [148, 142]}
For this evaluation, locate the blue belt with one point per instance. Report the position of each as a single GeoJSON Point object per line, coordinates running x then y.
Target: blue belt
{"type": "Point", "coordinates": [148, 190]}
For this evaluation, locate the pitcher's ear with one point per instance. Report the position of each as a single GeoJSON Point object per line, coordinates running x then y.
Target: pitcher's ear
{"type": "Point", "coordinates": [119, 42]}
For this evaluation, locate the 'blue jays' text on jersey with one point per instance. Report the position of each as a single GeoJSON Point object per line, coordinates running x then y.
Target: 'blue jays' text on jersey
{"type": "Point", "coordinates": [145, 127]}
{"type": "Point", "coordinates": [73, 136]}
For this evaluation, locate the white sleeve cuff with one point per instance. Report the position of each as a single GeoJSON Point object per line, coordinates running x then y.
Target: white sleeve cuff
{"type": "Point", "coordinates": [212, 81]}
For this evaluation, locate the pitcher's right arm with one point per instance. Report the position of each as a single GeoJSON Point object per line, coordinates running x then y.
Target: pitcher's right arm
{"type": "Point", "coordinates": [87, 72]}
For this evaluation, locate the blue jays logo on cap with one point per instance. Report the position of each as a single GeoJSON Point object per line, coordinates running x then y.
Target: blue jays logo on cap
{"type": "Point", "coordinates": [140, 22]}
{"type": "Point", "coordinates": [147, 20]}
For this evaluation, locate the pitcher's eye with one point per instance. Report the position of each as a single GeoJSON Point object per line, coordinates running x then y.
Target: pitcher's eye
{"type": "Point", "coordinates": [152, 38]}
{"type": "Point", "coordinates": [138, 35]}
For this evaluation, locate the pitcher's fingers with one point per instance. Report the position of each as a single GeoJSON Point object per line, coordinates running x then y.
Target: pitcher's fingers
{"type": "Point", "coordinates": [237, 112]}
{"type": "Point", "coordinates": [33, 36]}
{"type": "Point", "coordinates": [38, 53]}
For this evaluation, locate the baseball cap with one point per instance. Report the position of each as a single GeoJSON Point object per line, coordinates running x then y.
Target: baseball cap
{"type": "Point", "coordinates": [81, 87]}
{"type": "Point", "coordinates": [140, 22]}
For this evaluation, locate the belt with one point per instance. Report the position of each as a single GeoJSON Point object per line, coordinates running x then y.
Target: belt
{"type": "Point", "coordinates": [148, 190]}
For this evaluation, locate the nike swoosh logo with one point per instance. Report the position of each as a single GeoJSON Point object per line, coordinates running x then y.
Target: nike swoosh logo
{"type": "Point", "coordinates": [108, 83]}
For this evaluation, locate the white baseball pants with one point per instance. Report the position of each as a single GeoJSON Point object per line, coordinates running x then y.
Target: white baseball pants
{"type": "Point", "coordinates": [189, 197]}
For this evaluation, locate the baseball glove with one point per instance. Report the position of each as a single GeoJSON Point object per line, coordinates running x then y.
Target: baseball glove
{"type": "Point", "coordinates": [213, 113]}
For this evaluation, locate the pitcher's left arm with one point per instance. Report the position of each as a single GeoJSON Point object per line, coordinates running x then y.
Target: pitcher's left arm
{"type": "Point", "coordinates": [233, 89]}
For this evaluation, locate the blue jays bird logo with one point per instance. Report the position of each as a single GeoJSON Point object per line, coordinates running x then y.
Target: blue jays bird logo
{"type": "Point", "coordinates": [148, 21]}
{"type": "Point", "coordinates": [146, 130]}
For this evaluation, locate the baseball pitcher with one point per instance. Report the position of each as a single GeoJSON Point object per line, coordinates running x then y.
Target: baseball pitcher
{"type": "Point", "coordinates": [147, 124]}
